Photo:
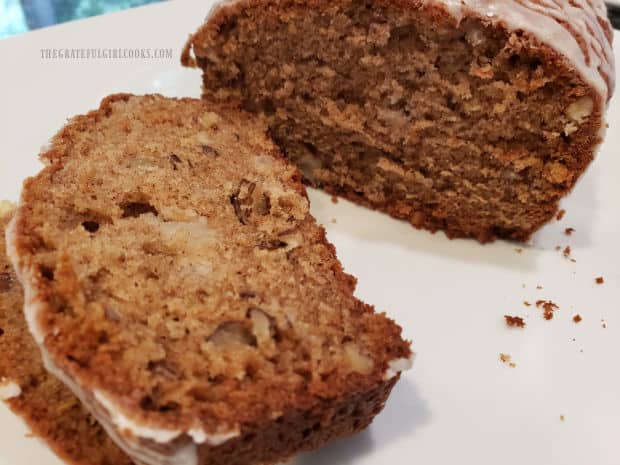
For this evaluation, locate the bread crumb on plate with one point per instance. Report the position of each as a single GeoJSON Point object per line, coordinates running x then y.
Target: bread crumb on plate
{"type": "Point", "coordinates": [514, 321]}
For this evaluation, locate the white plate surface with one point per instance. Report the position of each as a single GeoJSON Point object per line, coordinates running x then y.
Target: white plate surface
{"type": "Point", "coordinates": [460, 404]}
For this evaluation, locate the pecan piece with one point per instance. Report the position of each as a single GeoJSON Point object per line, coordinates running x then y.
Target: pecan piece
{"type": "Point", "coordinates": [6, 282]}
{"type": "Point", "coordinates": [230, 333]}
{"type": "Point", "coordinates": [271, 244]}
{"type": "Point", "coordinates": [175, 160]}
{"type": "Point", "coordinates": [208, 150]}
{"type": "Point", "coordinates": [241, 200]}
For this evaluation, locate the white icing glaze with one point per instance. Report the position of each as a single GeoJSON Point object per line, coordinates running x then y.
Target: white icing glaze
{"type": "Point", "coordinates": [183, 455]}
{"type": "Point", "coordinates": [398, 366]}
{"type": "Point", "coordinates": [31, 305]}
{"type": "Point", "coordinates": [124, 423]}
{"type": "Point", "coordinates": [159, 435]}
{"type": "Point", "coordinates": [559, 24]}
{"type": "Point", "coordinates": [214, 440]}
{"type": "Point", "coordinates": [9, 389]}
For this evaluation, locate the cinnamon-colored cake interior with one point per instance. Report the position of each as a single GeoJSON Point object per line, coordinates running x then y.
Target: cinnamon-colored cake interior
{"type": "Point", "coordinates": [470, 129]}
{"type": "Point", "coordinates": [180, 276]}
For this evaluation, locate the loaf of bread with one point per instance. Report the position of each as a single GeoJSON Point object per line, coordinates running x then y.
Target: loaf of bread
{"type": "Point", "coordinates": [49, 408]}
{"type": "Point", "coordinates": [176, 283]}
{"type": "Point", "coordinates": [474, 117]}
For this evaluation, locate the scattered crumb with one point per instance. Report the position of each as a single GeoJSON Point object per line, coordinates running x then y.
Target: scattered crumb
{"type": "Point", "coordinates": [539, 287]}
{"type": "Point", "coordinates": [548, 308]}
{"type": "Point", "coordinates": [526, 303]}
{"type": "Point", "coordinates": [569, 231]}
{"type": "Point", "coordinates": [558, 247]}
{"type": "Point", "coordinates": [567, 252]}
{"type": "Point", "coordinates": [603, 324]}
{"type": "Point", "coordinates": [562, 418]}
{"type": "Point", "coordinates": [334, 199]}
{"type": "Point", "coordinates": [523, 285]}
{"type": "Point", "coordinates": [519, 250]}
{"type": "Point", "coordinates": [560, 215]}
{"type": "Point", "coordinates": [577, 318]}
{"type": "Point", "coordinates": [507, 359]}
{"type": "Point", "coordinates": [514, 321]}
{"type": "Point", "coordinates": [600, 280]}
{"type": "Point", "coordinates": [334, 221]}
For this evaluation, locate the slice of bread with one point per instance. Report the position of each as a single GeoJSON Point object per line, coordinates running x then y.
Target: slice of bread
{"type": "Point", "coordinates": [177, 283]}
{"type": "Point", "coordinates": [49, 408]}
{"type": "Point", "coordinates": [472, 117]}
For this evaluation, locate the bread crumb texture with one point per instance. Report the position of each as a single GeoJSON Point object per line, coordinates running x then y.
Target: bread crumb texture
{"type": "Point", "coordinates": [469, 128]}
{"type": "Point", "coordinates": [182, 275]}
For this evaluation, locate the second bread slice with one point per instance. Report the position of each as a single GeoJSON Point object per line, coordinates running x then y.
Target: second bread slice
{"type": "Point", "coordinates": [50, 410]}
{"type": "Point", "coordinates": [177, 283]}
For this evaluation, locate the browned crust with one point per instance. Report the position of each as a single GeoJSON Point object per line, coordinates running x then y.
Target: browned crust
{"type": "Point", "coordinates": [364, 395]}
{"type": "Point", "coordinates": [302, 430]}
{"type": "Point", "coordinates": [47, 406]}
{"type": "Point", "coordinates": [423, 219]}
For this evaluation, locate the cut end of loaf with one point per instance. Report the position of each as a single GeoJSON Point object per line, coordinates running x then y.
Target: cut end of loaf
{"type": "Point", "coordinates": [449, 120]}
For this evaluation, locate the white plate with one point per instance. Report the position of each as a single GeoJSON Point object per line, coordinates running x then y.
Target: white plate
{"type": "Point", "coordinates": [460, 404]}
